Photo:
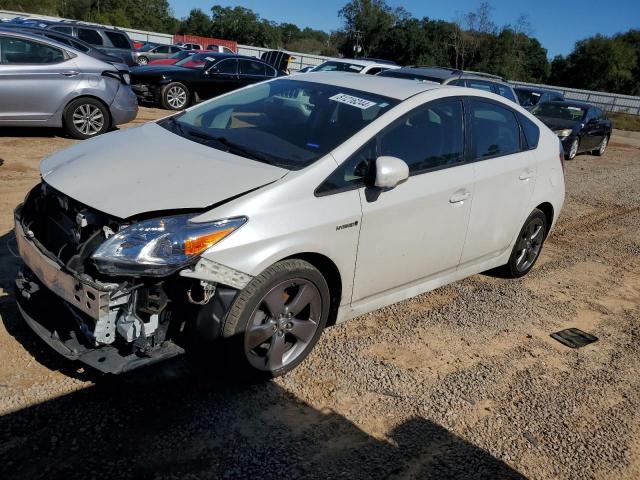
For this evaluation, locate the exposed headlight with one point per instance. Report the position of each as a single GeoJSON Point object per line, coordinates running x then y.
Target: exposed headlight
{"type": "Point", "coordinates": [160, 246]}
{"type": "Point", "coordinates": [563, 133]}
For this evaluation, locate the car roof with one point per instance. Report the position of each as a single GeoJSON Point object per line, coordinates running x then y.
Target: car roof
{"type": "Point", "coordinates": [443, 73]}
{"type": "Point", "coordinates": [21, 32]}
{"type": "Point", "coordinates": [536, 89]}
{"type": "Point", "coordinates": [357, 61]}
{"type": "Point", "coordinates": [397, 88]}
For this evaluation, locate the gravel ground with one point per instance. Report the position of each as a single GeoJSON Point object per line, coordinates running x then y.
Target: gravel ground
{"type": "Point", "coordinates": [463, 382]}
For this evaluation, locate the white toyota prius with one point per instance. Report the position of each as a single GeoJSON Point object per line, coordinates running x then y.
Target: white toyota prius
{"type": "Point", "coordinates": [243, 226]}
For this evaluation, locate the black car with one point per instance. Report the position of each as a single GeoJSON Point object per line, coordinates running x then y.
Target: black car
{"type": "Point", "coordinates": [451, 76]}
{"type": "Point", "coordinates": [531, 96]}
{"type": "Point", "coordinates": [580, 126]}
{"type": "Point", "coordinates": [175, 87]}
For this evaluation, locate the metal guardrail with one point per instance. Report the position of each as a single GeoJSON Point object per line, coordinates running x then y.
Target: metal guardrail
{"type": "Point", "coordinates": [610, 102]}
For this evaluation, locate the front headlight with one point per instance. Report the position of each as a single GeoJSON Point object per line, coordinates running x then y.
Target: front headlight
{"type": "Point", "coordinates": [161, 246]}
{"type": "Point", "coordinates": [563, 133]}
{"type": "Point", "coordinates": [127, 78]}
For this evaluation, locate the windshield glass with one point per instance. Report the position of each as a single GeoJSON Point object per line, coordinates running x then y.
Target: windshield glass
{"type": "Point", "coordinates": [287, 123]}
{"type": "Point", "coordinates": [196, 61]}
{"type": "Point", "coordinates": [181, 55]}
{"type": "Point", "coordinates": [564, 112]}
{"type": "Point", "coordinates": [338, 67]}
{"type": "Point", "coordinates": [528, 98]}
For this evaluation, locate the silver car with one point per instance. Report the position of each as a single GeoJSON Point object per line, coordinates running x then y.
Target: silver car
{"type": "Point", "coordinates": [44, 83]}
{"type": "Point", "coordinates": [149, 52]}
{"type": "Point", "coordinates": [242, 226]}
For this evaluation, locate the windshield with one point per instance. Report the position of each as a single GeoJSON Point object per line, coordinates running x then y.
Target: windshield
{"type": "Point", "coordinates": [287, 123]}
{"type": "Point", "coordinates": [196, 61]}
{"type": "Point", "coordinates": [338, 67]}
{"type": "Point", "coordinates": [147, 47]}
{"type": "Point", "coordinates": [528, 98]}
{"type": "Point", "coordinates": [564, 112]}
{"type": "Point", "coordinates": [181, 55]}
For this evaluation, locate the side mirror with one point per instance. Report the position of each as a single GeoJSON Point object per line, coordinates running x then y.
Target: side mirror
{"type": "Point", "coordinates": [390, 172]}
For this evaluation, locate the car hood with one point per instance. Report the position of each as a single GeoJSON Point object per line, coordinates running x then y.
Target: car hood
{"type": "Point", "coordinates": [147, 169]}
{"type": "Point", "coordinates": [558, 123]}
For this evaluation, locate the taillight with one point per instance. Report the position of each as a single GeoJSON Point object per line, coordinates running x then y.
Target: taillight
{"type": "Point", "coordinates": [561, 155]}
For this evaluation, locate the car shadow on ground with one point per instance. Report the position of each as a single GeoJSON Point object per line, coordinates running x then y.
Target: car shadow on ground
{"type": "Point", "coordinates": [169, 421]}
{"type": "Point", "coordinates": [27, 132]}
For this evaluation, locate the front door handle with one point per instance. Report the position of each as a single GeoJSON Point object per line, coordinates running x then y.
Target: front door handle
{"type": "Point", "coordinates": [70, 73]}
{"type": "Point", "coordinates": [459, 197]}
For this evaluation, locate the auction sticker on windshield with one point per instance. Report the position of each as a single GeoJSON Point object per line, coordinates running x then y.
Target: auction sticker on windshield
{"type": "Point", "coordinates": [353, 101]}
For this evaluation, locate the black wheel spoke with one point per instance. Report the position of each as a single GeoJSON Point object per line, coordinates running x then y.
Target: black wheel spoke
{"type": "Point", "coordinates": [302, 299]}
{"type": "Point", "coordinates": [303, 329]}
{"type": "Point", "coordinates": [259, 334]}
{"type": "Point", "coordinates": [275, 354]}
{"type": "Point", "coordinates": [275, 302]}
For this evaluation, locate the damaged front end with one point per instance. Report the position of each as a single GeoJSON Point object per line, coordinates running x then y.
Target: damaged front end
{"type": "Point", "coordinates": [98, 289]}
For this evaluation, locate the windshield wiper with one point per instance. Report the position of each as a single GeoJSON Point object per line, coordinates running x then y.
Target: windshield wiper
{"type": "Point", "coordinates": [233, 147]}
{"type": "Point", "coordinates": [176, 125]}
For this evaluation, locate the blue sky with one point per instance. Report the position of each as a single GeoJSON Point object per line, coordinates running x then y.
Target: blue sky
{"type": "Point", "coordinates": [557, 24]}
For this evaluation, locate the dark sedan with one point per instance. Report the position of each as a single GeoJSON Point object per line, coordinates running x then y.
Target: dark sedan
{"type": "Point", "coordinates": [581, 127]}
{"type": "Point", "coordinates": [175, 87]}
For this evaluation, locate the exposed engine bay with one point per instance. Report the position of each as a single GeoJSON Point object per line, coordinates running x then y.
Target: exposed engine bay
{"type": "Point", "coordinates": [111, 323]}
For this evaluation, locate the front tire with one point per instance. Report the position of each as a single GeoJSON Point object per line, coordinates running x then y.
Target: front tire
{"type": "Point", "coordinates": [143, 60]}
{"type": "Point", "coordinates": [175, 96]}
{"type": "Point", "coordinates": [573, 149]}
{"type": "Point", "coordinates": [275, 321]}
{"type": "Point", "coordinates": [86, 118]}
{"type": "Point", "coordinates": [528, 246]}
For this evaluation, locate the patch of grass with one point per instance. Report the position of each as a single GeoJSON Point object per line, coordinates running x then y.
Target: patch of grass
{"type": "Point", "coordinates": [625, 121]}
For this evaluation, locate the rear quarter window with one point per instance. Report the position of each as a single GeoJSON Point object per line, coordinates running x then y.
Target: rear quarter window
{"type": "Point", "coordinates": [90, 36]}
{"type": "Point", "coordinates": [530, 130]}
{"type": "Point", "coordinates": [119, 40]}
{"type": "Point", "coordinates": [506, 92]}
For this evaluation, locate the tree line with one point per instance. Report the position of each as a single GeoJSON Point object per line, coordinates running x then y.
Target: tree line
{"type": "Point", "coordinates": [372, 28]}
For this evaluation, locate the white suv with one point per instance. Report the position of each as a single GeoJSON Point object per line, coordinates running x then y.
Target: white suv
{"type": "Point", "coordinates": [246, 224]}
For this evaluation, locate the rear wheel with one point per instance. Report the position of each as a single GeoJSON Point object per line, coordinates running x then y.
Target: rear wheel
{"type": "Point", "coordinates": [602, 148]}
{"type": "Point", "coordinates": [276, 320]}
{"type": "Point", "coordinates": [143, 60]}
{"type": "Point", "coordinates": [175, 96]}
{"type": "Point", "coordinates": [528, 246]}
{"type": "Point", "coordinates": [86, 117]}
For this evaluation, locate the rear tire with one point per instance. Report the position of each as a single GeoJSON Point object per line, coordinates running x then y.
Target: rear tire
{"type": "Point", "coordinates": [143, 60]}
{"type": "Point", "coordinates": [86, 118]}
{"type": "Point", "coordinates": [175, 96]}
{"type": "Point", "coordinates": [275, 321]}
{"type": "Point", "coordinates": [598, 152]}
{"type": "Point", "coordinates": [528, 246]}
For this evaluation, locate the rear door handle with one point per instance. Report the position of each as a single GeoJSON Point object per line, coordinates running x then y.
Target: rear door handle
{"type": "Point", "coordinates": [70, 73]}
{"type": "Point", "coordinates": [459, 197]}
{"type": "Point", "coordinates": [526, 175]}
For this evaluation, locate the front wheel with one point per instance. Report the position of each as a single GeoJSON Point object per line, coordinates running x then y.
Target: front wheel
{"type": "Point", "coordinates": [143, 60]}
{"type": "Point", "coordinates": [573, 149]}
{"type": "Point", "coordinates": [528, 246]}
{"type": "Point", "coordinates": [276, 320]}
{"type": "Point", "coordinates": [175, 96]}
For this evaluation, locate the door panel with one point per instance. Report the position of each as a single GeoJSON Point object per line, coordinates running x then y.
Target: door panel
{"type": "Point", "coordinates": [504, 180]}
{"type": "Point", "coordinates": [34, 80]}
{"type": "Point", "coordinates": [417, 229]}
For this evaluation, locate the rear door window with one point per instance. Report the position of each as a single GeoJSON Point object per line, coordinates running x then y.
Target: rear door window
{"type": "Point", "coordinates": [229, 67]}
{"type": "Point", "coordinates": [162, 49]}
{"type": "Point", "coordinates": [494, 130]}
{"type": "Point", "coordinates": [479, 84]}
{"type": "Point", "coordinates": [247, 67]}
{"type": "Point", "coordinates": [90, 36]}
{"type": "Point", "coordinates": [119, 40]}
{"type": "Point", "coordinates": [19, 51]}
{"type": "Point", "coordinates": [62, 29]}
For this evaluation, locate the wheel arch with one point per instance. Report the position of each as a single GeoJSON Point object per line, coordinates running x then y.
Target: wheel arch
{"type": "Point", "coordinates": [547, 209]}
{"type": "Point", "coordinates": [331, 273]}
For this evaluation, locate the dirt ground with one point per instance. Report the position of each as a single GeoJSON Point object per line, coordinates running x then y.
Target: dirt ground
{"type": "Point", "coordinates": [462, 382]}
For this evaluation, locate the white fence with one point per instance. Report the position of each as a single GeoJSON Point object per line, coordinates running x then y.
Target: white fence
{"type": "Point", "coordinates": [611, 102]}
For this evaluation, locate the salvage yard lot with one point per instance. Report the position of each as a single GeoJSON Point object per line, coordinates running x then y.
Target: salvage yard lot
{"type": "Point", "coordinates": [462, 382]}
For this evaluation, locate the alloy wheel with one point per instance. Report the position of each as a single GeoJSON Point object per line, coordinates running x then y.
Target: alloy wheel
{"type": "Point", "coordinates": [143, 60]}
{"type": "Point", "coordinates": [176, 97]}
{"type": "Point", "coordinates": [283, 324]}
{"type": "Point", "coordinates": [88, 119]}
{"type": "Point", "coordinates": [574, 149]}
{"type": "Point", "coordinates": [529, 244]}
{"type": "Point", "coordinates": [603, 145]}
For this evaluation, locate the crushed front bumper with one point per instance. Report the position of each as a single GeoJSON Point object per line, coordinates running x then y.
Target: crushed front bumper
{"type": "Point", "coordinates": [55, 303]}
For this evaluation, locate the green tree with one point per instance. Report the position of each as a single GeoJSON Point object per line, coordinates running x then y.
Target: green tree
{"type": "Point", "coordinates": [197, 23]}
